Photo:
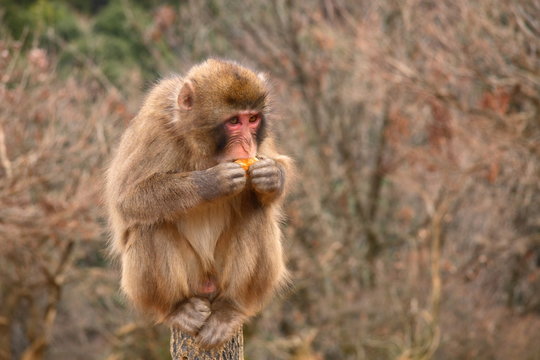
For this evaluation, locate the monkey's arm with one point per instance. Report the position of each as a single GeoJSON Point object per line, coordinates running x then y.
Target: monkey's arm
{"type": "Point", "coordinates": [166, 195]}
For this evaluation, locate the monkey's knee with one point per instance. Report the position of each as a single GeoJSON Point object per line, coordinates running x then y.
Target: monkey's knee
{"type": "Point", "coordinates": [191, 315]}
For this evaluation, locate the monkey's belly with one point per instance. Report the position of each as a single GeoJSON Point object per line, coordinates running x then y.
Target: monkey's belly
{"type": "Point", "coordinates": [202, 229]}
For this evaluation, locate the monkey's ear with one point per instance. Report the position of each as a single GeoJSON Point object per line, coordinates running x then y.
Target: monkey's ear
{"type": "Point", "coordinates": [185, 97]}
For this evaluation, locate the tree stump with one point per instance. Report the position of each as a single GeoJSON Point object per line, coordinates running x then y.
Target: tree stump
{"type": "Point", "coordinates": [183, 347]}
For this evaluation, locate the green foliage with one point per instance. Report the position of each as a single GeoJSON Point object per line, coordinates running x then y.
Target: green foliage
{"type": "Point", "coordinates": [112, 20]}
{"type": "Point", "coordinates": [88, 7]}
{"type": "Point", "coordinates": [39, 16]}
{"type": "Point", "coordinates": [114, 40]}
{"type": "Point", "coordinates": [120, 42]}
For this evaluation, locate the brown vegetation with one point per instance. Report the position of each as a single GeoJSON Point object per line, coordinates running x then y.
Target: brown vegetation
{"type": "Point", "coordinates": [415, 233]}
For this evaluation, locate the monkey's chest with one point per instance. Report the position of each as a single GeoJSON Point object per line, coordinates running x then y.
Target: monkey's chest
{"type": "Point", "coordinates": [203, 227]}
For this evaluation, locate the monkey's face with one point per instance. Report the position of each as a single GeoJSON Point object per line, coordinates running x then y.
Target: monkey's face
{"type": "Point", "coordinates": [240, 134]}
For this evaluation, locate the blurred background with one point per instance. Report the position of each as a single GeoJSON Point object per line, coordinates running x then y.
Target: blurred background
{"type": "Point", "coordinates": [414, 232]}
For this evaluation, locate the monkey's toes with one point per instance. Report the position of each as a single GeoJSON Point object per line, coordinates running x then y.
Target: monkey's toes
{"type": "Point", "coordinates": [201, 305]}
{"type": "Point", "coordinates": [192, 315]}
{"type": "Point", "coordinates": [214, 334]}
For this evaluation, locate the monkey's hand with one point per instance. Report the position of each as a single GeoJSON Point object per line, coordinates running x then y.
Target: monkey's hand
{"type": "Point", "coordinates": [225, 179]}
{"type": "Point", "coordinates": [267, 178]}
{"type": "Point", "coordinates": [191, 315]}
{"type": "Point", "coordinates": [220, 327]}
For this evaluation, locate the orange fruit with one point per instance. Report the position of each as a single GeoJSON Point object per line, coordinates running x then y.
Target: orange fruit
{"type": "Point", "coordinates": [246, 163]}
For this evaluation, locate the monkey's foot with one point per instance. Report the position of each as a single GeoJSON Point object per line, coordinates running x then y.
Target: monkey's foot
{"type": "Point", "coordinates": [216, 332]}
{"type": "Point", "coordinates": [191, 315]}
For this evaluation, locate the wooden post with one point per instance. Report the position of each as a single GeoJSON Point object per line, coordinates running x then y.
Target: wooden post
{"type": "Point", "coordinates": [184, 348]}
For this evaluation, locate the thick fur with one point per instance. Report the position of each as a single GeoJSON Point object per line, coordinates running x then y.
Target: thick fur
{"type": "Point", "coordinates": [179, 218]}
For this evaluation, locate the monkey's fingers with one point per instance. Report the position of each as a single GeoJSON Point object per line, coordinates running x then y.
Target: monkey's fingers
{"type": "Point", "coordinates": [268, 171]}
{"type": "Point", "coordinates": [262, 163]}
{"type": "Point", "coordinates": [230, 165]}
{"type": "Point", "coordinates": [230, 171]}
{"type": "Point", "coordinates": [267, 179]}
{"type": "Point", "coordinates": [234, 185]}
{"type": "Point", "coordinates": [235, 173]}
{"type": "Point", "coordinates": [267, 184]}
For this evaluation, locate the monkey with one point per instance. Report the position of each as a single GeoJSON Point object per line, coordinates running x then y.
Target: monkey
{"type": "Point", "coordinates": [198, 236]}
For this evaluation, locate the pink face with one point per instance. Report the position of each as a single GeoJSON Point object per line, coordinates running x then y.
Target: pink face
{"type": "Point", "coordinates": [241, 130]}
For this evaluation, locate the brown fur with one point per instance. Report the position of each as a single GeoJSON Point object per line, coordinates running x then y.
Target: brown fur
{"type": "Point", "coordinates": [179, 218]}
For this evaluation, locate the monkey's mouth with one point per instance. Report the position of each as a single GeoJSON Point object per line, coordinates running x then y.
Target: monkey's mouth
{"type": "Point", "coordinates": [240, 149]}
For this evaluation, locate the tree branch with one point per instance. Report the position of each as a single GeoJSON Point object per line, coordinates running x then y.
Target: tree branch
{"type": "Point", "coordinates": [183, 347]}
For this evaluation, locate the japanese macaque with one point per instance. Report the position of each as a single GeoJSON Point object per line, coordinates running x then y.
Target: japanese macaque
{"type": "Point", "coordinates": [198, 235]}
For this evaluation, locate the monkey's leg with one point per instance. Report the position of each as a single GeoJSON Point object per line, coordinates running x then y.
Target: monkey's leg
{"type": "Point", "coordinates": [185, 347]}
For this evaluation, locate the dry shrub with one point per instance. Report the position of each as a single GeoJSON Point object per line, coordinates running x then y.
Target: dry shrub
{"type": "Point", "coordinates": [55, 137]}
{"type": "Point", "coordinates": [414, 233]}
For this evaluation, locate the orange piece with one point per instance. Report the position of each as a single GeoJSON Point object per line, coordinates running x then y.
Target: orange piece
{"type": "Point", "coordinates": [246, 163]}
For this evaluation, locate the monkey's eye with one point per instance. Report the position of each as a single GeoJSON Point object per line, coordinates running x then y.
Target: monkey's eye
{"type": "Point", "coordinates": [253, 118]}
{"type": "Point", "coordinates": [234, 120]}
